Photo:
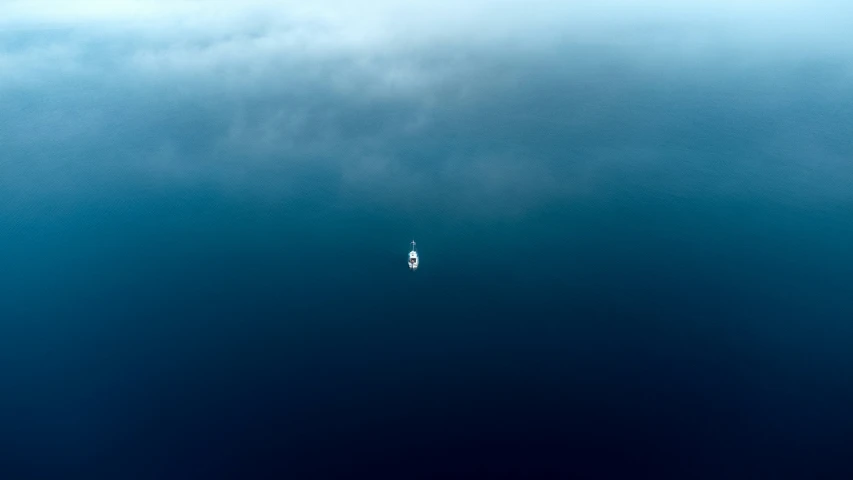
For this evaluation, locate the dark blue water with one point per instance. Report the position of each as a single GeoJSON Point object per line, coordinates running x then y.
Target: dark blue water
{"type": "Point", "coordinates": [188, 333]}
{"type": "Point", "coordinates": [630, 267]}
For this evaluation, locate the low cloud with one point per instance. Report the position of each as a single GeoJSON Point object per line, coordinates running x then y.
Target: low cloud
{"type": "Point", "coordinates": [503, 105]}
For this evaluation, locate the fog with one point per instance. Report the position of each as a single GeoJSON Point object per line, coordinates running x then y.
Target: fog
{"type": "Point", "coordinates": [492, 103]}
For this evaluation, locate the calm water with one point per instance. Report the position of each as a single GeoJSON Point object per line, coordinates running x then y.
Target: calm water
{"type": "Point", "coordinates": [628, 267]}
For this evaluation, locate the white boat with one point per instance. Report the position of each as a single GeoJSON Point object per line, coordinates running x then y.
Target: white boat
{"type": "Point", "coordinates": [413, 258]}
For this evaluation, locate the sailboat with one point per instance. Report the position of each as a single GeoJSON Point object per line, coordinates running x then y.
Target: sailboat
{"type": "Point", "coordinates": [413, 258]}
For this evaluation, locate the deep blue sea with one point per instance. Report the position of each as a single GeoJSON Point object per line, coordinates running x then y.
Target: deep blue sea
{"type": "Point", "coordinates": [633, 264]}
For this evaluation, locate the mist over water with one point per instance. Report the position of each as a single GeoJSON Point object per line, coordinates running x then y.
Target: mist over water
{"type": "Point", "coordinates": [634, 225]}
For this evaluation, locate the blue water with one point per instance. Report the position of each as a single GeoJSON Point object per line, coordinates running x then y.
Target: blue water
{"type": "Point", "coordinates": [629, 268]}
{"type": "Point", "coordinates": [186, 333]}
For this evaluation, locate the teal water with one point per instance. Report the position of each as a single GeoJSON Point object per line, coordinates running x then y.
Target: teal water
{"type": "Point", "coordinates": [631, 264]}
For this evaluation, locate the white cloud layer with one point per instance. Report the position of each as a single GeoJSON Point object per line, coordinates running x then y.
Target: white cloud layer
{"type": "Point", "coordinates": [482, 88]}
{"type": "Point", "coordinates": [778, 19]}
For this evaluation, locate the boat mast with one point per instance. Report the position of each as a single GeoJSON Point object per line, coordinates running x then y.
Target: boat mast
{"type": "Point", "coordinates": [413, 245]}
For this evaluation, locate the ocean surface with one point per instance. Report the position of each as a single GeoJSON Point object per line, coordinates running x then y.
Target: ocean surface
{"type": "Point", "coordinates": [630, 268]}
